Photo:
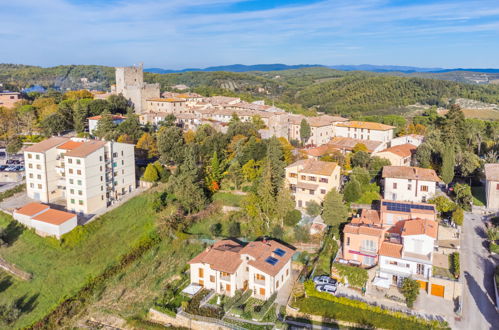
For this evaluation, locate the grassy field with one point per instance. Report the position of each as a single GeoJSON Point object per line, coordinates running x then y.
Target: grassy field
{"type": "Point", "coordinates": [59, 272]}
{"type": "Point", "coordinates": [481, 114]}
{"type": "Point", "coordinates": [228, 199]}
{"type": "Point", "coordinates": [478, 193]}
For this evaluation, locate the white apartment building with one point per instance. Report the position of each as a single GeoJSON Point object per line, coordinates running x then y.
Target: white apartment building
{"type": "Point", "coordinates": [322, 128]}
{"type": "Point", "coordinates": [405, 183]}
{"type": "Point", "coordinates": [310, 180]}
{"type": "Point", "coordinates": [408, 252]}
{"type": "Point", "coordinates": [228, 265]}
{"type": "Point", "coordinates": [364, 130]}
{"type": "Point", "coordinates": [89, 174]}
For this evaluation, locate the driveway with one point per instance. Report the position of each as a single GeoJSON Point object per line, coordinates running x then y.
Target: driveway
{"type": "Point", "coordinates": [478, 311]}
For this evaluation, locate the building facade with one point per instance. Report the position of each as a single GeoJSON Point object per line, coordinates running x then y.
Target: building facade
{"type": "Point", "coordinates": [492, 185]}
{"type": "Point", "coordinates": [310, 180]}
{"type": "Point", "coordinates": [90, 174]}
{"type": "Point", "coordinates": [364, 130]}
{"type": "Point", "coordinates": [9, 99]}
{"type": "Point", "coordinates": [405, 183]}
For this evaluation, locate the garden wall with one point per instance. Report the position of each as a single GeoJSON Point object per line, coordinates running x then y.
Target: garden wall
{"type": "Point", "coordinates": [183, 321]}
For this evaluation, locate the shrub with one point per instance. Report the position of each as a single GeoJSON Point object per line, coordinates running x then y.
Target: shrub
{"type": "Point", "coordinates": [301, 234]}
{"type": "Point", "coordinates": [463, 196]}
{"type": "Point", "coordinates": [356, 276]}
{"type": "Point", "coordinates": [454, 264]}
{"type": "Point", "coordinates": [443, 204]}
{"type": "Point", "coordinates": [194, 308]}
{"type": "Point", "coordinates": [410, 290]}
{"type": "Point", "coordinates": [12, 192]}
{"type": "Point", "coordinates": [75, 236]}
{"type": "Point", "coordinates": [458, 216]}
{"type": "Point", "coordinates": [352, 191]}
{"type": "Point", "coordinates": [216, 229]}
{"type": "Point", "coordinates": [235, 229]}
{"type": "Point", "coordinates": [9, 313]}
{"type": "Point", "coordinates": [313, 208]}
{"type": "Point", "coordinates": [265, 307]}
{"type": "Point", "coordinates": [292, 218]}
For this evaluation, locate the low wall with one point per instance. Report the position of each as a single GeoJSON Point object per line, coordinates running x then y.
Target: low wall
{"type": "Point", "coordinates": [290, 311]}
{"type": "Point", "coordinates": [453, 289]}
{"type": "Point", "coordinates": [182, 321]}
{"type": "Point", "coordinates": [12, 269]}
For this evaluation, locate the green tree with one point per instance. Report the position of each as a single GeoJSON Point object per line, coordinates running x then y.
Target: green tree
{"type": "Point", "coordinates": [468, 163]}
{"type": "Point", "coordinates": [463, 196]}
{"type": "Point", "coordinates": [80, 114]}
{"type": "Point", "coordinates": [443, 204]}
{"type": "Point", "coordinates": [275, 158]}
{"type": "Point", "coordinates": [284, 203]}
{"type": "Point", "coordinates": [163, 173]}
{"type": "Point", "coordinates": [376, 164]}
{"type": "Point", "coordinates": [9, 313]}
{"type": "Point", "coordinates": [131, 126]}
{"type": "Point", "coordinates": [146, 147]}
{"type": "Point", "coordinates": [14, 145]}
{"type": "Point", "coordinates": [352, 190]}
{"type": "Point", "coordinates": [410, 290]}
{"type": "Point", "coordinates": [234, 229]}
{"type": "Point", "coordinates": [360, 147]}
{"type": "Point", "coordinates": [170, 144]}
{"type": "Point", "coordinates": [292, 218]}
{"type": "Point", "coordinates": [360, 159]}
{"type": "Point", "coordinates": [334, 209]}
{"type": "Point", "coordinates": [305, 131]}
{"type": "Point", "coordinates": [235, 174]}
{"type": "Point", "coordinates": [216, 229]}
{"type": "Point", "coordinates": [277, 232]}
{"type": "Point", "coordinates": [54, 124]}
{"type": "Point", "coordinates": [423, 155]}
{"type": "Point", "coordinates": [448, 164]}
{"type": "Point", "coordinates": [214, 173]}
{"type": "Point", "coordinates": [150, 174]}
{"type": "Point", "coordinates": [313, 208]}
{"type": "Point", "coordinates": [119, 104]}
{"type": "Point", "coordinates": [106, 128]}
{"type": "Point", "coordinates": [458, 216]}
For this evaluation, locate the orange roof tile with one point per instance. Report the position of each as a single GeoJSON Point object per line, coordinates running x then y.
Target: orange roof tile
{"type": "Point", "coordinates": [402, 150]}
{"type": "Point", "coordinates": [86, 148]}
{"type": "Point", "coordinates": [408, 172]}
{"type": "Point", "coordinates": [366, 125]}
{"type": "Point", "coordinates": [222, 256]}
{"type": "Point", "coordinates": [54, 217]}
{"type": "Point", "coordinates": [70, 145]}
{"type": "Point", "coordinates": [363, 230]}
{"type": "Point", "coordinates": [389, 249]}
{"type": "Point", "coordinates": [420, 227]}
{"type": "Point", "coordinates": [32, 209]}
{"type": "Point", "coordinates": [320, 150]}
{"type": "Point", "coordinates": [367, 217]}
{"type": "Point", "coordinates": [261, 250]}
{"type": "Point", "coordinates": [312, 166]}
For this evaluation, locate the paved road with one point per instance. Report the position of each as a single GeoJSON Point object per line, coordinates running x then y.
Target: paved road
{"type": "Point", "coordinates": [477, 269]}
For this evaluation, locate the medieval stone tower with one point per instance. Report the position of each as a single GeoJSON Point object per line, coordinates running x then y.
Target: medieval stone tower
{"type": "Point", "coordinates": [130, 83]}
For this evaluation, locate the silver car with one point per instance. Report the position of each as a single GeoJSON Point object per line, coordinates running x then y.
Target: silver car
{"type": "Point", "coordinates": [328, 288]}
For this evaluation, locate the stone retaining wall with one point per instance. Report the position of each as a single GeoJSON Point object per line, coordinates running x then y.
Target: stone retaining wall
{"type": "Point", "coordinates": [183, 321]}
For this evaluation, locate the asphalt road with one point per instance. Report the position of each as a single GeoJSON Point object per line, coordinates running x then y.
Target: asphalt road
{"type": "Point", "coordinates": [478, 311]}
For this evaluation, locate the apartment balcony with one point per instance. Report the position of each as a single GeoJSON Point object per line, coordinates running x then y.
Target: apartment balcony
{"type": "Point", "coordinates": [259, 282]}
{"type": "Point", "coordinates": [225, 278]}
{"type": "Point", "coordinates": [369, 252]}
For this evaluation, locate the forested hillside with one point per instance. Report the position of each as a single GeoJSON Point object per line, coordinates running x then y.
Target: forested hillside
{"type": "Point", "coordinates": [318, 88]}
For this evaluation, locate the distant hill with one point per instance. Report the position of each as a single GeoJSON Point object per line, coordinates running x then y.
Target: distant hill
{"type": "Point", "coordinates": [237, 68]}
{"type": "Point", "coordinates": [383, 68]}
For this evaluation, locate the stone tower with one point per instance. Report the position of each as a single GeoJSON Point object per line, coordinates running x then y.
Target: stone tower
{"type": "Point", "coordinates": [130, 83]}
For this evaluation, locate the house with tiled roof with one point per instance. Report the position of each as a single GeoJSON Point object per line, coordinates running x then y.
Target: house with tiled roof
{"type": "Point", "coordinates": [492, 185]}
{"type": "Point", "coordinates": [229, 265]}
{"type": "Point", "coordinates": [93, 121]}
{"type": "Point", "coordinates": [365, 130]}
{"type": "Point", "coordinates": [310, 180]}
{"type": "Point", "coordinates": [407, 183]}
{"type": "Point", "coordinates": [399, 155]}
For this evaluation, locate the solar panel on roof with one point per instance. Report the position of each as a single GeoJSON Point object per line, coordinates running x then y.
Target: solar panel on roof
{"type": "Point", "coordinates": [279, 252]}
{"type": "Point", "coordinates": [271, 260]}
{"type": "Point", "coordinates": [402, 207]}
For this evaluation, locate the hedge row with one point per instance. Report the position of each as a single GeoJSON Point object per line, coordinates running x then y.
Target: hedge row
{"type": "Point", "coordinates": [340, 308]}
{"type": "Point", "coordinates": [12, 192]}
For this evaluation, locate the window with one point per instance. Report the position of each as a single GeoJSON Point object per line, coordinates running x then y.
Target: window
{"type": "Point", "coordinates": [311, 192]}
{"type": "Point", "coordinates": [102, 197]}
{"type": "Point", "coordinates": [72, 191]}
{"type": "Point", "coordinates": [227, 287]}
{"type": "Point", "coordinates": [70, 171]}
{"type": "Point", "coordinates": [420, 269]}
{"type": "Point", "coordinates": [201, 272]}
{"type": "Point", "coordinates": [369, 261]}
{"type": "Point", "coordinates": [38, 167]}
{"type": "Point", "coordinates": [368, 245]}
{"type": "Point", "coordinates": [80, 202]}
{"type": "Point", "coordinates": [323, 191]}
{"type": "Point", "coordinates": [212, 278]}
{"type": "Point", "coordinates": [39, 186]}
{"type": "Point", "coordinates": [30, 165]}
{"type": "Point", "coordinates": [259, 277]}
{"type": "Point", "coordinates": [100, 158]}
{"type": "Point", "coordinates": [287, 272]}
{"type": "Point", "coordinates": [409, 186]}
{"type": "Point", "coordinates": [101, 188]}
{"type": "Point", "coordinates": [101, 168]}
{"type": "Point", "coordinates": [224, 274]}
{"type": "Point", "coordinates": [424, 188]}
{"type": "Point", "coordinates": [304, 177]}
{"type": "Point", "coordinates": [29, 156]}
{"type": "Point", "coordinates": [80, 192]}
{"type": "Point", "coordinates": [70, 160]}
{"type": "Point", "coordinates": [323, 180]}
{"type": "Point", "coordinates": [395, 185]}
{"type": "Point", "coordinates": [294, 175]}
{"type": "Point", "coordinates": [78, 161]}
{"type": "Point", "coordinates": [122, 152]}
{"type": "Point", "coordinates": [101, 179]}
{"type": "Point", "coordinates": [277, 284]}
{"type": "Point", "coordinates": [72, 201]}
{"type": "Point", "coordinates": [262, 291]}
{"type": "Point", "coordinates": [37, 156]}
{"type": "Point", "coordinates": [71, 181]}
{"type": "Point", "coordinates": [31, 185]}
{"type": "Point", "coordinates": [312, 178]}
{"type": "Point", "coordinates": [348, 241]}
{"type": "Point", "coordinates": [39, 176]}
{"type": "Point", "coordinates": [31, 175]}
{"type": "Point", "coordinates": [122, 162]}
{"type": "Point", "coordinates": [78, 172]}
{"type": "Point", "coordinates": [497, 187]}
{"type": "Point", "coordinates": [79, 182]}
{"type": "Point", "coordinates": [391, 262]}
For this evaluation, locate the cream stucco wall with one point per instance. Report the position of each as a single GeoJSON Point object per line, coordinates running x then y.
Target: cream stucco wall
{"type": "Point", "coordinates": [492, 194]}
{"type": "Point", "coordinates": [408, 190]}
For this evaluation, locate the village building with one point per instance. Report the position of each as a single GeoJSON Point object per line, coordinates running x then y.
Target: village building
{"type": "Point", "coordinates": [405, 183]}
{"type": "Point", "coordinates": [399, 155]}
{"type": "Point", "coordinates": [94, 121]}
{"type": "Point", "coordinates": [492, 185]}
{"type": "Point", "coordinates": [414, 139]}
{"type": "Point", "coordinates": [310, 180]}
{"type": "Point", "coordinates": [347, 144]}
{"type": "Point", "coordinates": [364, 130]}
{"type": "Point", "coordinates": [263, 267]}
{"type": "Point", "coordinates": [9, 99]}
{"type": "Point", "coordinates": [89, 174]}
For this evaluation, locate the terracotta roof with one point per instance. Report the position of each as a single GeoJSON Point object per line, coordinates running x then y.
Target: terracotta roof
{"type": "Point", "coordinates": [320, 150]}
{"type": "Point", "coordinates": [363, 230]}
{"type": "Point", "coordinates": [408, 172]}
{"type": "Point", "coordinates": [260, 251]}
{"type": "Point", "coordinates": [492, 172]}
{"type": "Point", "coordinates": [402, 150]}
{"type": "Point", "coordinates": [170, 99]}
{"type": "Point", "coordinates": [312, 166]}
{"type": "Point", "coordinates": [222, 256]}
{"type": "Point", "coordinates": [100, 117]}
{"type": "Point", "coordinates": [32, 209]}
{"type": "Point", "coordinates": [70, 145]}
{"type": "Point", "coordinates": [366, 125]}
{"type": "Point", "coordinates": [47, 144]}
{"type": "Point", "coordinates": [86, 148]}
{"type": "Point", "coordinates": [420, 227]}
{"type": "Point", "coordinates": [389, 249]}
{"type": "Point", "coordinates": [346, 143]}
{"type": "Point", "coordinates": [54, 217]}
{"type": "Point", "coordinates": [368, 217]}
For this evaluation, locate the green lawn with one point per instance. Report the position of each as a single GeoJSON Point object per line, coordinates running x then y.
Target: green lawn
{"type": "Point", "coordinates": [228, 199]}
{"type": "Point", "coordinates": [60, 272]}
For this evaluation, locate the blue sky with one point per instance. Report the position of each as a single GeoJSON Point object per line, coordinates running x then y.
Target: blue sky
{"type": "Point", "coordinates": [199, 33]}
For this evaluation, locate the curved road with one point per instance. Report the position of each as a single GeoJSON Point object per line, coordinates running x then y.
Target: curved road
{"type": "Point", "coordinates": [477, 267]}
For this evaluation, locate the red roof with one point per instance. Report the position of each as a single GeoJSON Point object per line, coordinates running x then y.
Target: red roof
{"type": "Point", "coordinates": [32, 209]}
{"type": "Point", "coordinates": [54, 217]}
{"type": "Point", "coordinates": [70, 145]}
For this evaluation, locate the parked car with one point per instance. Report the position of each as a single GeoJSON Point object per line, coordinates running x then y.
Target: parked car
{"type": "Point", "coordinates": [324, 279]}
{"type": "Point", "coordinates": [328, 288]}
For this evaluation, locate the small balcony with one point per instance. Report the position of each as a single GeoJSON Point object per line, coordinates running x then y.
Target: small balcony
{"type": "Point", "coordinates": [259, 282]}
